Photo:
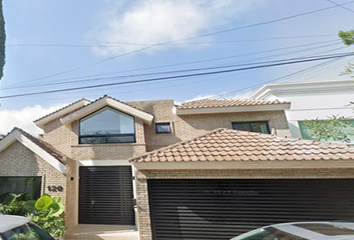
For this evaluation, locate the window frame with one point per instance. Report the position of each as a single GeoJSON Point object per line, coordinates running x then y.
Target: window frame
{"type": "Point", "coordinates": [107, 135]}
{"type": "Point", "coordinates": [163, 123]}
{"type": "Point", "coordinates": [40, 178]}
{"type": "Point", "coordinates": [250, 122]}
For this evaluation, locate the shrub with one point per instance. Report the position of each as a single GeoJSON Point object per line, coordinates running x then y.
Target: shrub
{"type": "Point", "coordinates": [47, 212]}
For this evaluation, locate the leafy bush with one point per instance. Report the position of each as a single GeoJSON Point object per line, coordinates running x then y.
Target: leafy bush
{"type": "Point", "coordinates": [47, 211]}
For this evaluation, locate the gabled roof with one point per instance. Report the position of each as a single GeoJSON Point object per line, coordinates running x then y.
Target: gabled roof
{"type": "Point", "coordinates": [103, 102]}
{"type": "Point", "coordinates": [227, 145]}
{"type": "Point", "coordinates": [61, 112]}
{"type": "Point", "coordinates": [229, 105]}
{"type": "Point", "coordinates": [43, 149]}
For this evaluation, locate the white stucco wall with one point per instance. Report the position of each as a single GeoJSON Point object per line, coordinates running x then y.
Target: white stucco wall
{"type": "Point", "coordinates": [311, 100]}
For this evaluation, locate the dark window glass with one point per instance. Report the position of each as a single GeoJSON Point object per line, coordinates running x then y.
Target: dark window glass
{"type": "Point", "coordinates": [163, 127]}
{"type": "Point", "coordinates": [327, 229]}
{"type": "Point", "coordinates": [30, 185]}
{"type": "Point", "coordinates": [261, 127]}
{"type": "Point", "coordinates": [268, 233]}
{"type": "Point", "coordinates": [26, 232]}
{"type": "Point", "coordinates": [107, 126]}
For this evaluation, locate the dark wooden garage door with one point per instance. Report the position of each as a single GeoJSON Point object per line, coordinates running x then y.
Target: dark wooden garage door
{"type": "Point", "coordinates": [221, 209]}
{"type": "Point", "coordinates": [106, 195]}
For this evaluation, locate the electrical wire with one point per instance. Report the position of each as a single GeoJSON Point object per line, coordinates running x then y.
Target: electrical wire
{"type": "Point", "coordinates": [22, 85]}
{"type": "Point", "coordinates": [161, 73]}
{"type": "Point", "coordinates": [192, 38]}
{"type": "Point", "coordinates": [118, 44]}
{"type": "Point", "coordinates": [178, 76]}
{"type": "Point", "coordinates": [339, 5]}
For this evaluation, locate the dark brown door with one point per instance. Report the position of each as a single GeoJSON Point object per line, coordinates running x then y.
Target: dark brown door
{"type": "Point", "coordinates": [217, 209]}
{"type": "Point", "coordinates": [106, 195]}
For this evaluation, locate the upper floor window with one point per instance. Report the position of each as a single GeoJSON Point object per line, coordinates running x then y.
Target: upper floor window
{"type": "Point", "coordinates": [261, 127]}
{"type": "Point", "coordinates": [163, 127]}
{"type": "Point", "coordinates": [107, 125]}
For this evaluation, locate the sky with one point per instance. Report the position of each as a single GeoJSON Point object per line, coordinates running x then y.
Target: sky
{"type": "Point", "coordinates": [64, 44]}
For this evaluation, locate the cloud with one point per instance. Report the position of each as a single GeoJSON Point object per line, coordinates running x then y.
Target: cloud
{"type": "Point", "coordinates": [23, 118]}
{"type": "Point", "coordinates": [157, 21]}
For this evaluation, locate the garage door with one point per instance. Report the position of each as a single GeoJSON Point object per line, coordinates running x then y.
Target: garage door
{"type": "Point", "coordinates": [106, 195]}
{"type": "Point", "coordinates": [221, 209]}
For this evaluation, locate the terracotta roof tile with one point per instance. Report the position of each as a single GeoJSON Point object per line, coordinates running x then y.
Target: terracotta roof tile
{"type": "Point", "coordinates": [215, 103]}
{"type": "Point", "coordinates": [44, 145]}
{"type": "Point", "coordinates": [247, 146]}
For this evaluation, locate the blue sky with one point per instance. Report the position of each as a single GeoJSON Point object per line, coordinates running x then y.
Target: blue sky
{"type": "Point", "coordinates": [102, 24]}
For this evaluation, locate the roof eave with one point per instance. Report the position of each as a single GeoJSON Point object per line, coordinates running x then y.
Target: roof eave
{"type": "Point", "coordinates": [147, 118]}
{"type": "Point", "coordinates": [41, 122]}
{"type": "Point", "coordinates": [220, 165]}
{"type": "Point", "coordinates": [258, 108]}
{"type": "Point", "coordinates": [16, 135]}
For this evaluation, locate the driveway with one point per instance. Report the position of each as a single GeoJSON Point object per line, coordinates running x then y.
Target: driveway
{"type": "Point", "coordinates": [102, 232]}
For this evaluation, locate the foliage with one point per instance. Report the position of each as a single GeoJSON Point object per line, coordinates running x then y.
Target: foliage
{"type": "Point", "coordinates": [2, 41]}
{"type": "Point", "coordinates": [47, 211]}
{"type": "Point", "coordinates": [13, 203]}
{"type": "Point", "coordinates": [347, 37]}
{"type": "Point", "coordinates": [336, 129]}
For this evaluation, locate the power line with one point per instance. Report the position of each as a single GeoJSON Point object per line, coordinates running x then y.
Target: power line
{"type": "Point", "coordinates": [166, 72]}
{"type": "Point", "coordinates": [339, 5]}
{"type": "Point", "coordinates": [118, 44]}
{"type": "Point", "coordinates": [191, 38]}
{"type": "Point", "coordinates": [190, 62]}
{"type": "Point", "coordinates": [288, 76]}
{"type": "Point", "coordinates": [178, 76]}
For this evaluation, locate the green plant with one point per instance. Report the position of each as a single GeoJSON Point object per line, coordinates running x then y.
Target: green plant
{"type": "Point", "coordinates": [334, 129]}
{"type": "Point", "coordinates": [48, 213]}
{"type": "Point", "coordinates": [13, 203]}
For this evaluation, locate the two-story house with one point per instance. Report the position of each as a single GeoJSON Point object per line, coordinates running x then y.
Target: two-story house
{"type": "Point", "coordinates": [191, 174]}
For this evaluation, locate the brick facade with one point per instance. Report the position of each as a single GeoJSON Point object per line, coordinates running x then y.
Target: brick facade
{"type": "Point", "coordinates": [144, 222]}
{"type": "Point", "coordinates": [19, 161]}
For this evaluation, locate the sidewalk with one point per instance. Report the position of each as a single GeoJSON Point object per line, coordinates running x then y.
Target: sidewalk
{"type": "Point", "coordinates": [102, 232]}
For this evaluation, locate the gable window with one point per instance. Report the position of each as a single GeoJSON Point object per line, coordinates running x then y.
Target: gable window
{"type": "Point", "coordinates": [163, 128]}
{"type": "Point", "coordinates": [107, 125]}
{"type": "Point", "coordinates": [16, 185]}
{"type": "Point", "coordinates": [261, 127]}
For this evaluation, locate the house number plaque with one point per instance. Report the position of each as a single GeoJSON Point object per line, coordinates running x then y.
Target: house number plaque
{"type": "Point", "coordinates": [55, 188]}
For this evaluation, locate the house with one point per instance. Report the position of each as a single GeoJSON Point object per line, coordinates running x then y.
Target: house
{"type": "Point", "coordinates": [190, 170]}
{"type": "Point", "coordinates": [314, 100]}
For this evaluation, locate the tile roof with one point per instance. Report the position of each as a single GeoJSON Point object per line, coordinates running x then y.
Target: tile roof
{"type": "Point", "coordinates": [106, 96]}
{"type": "Point", "coordinates": [227, 145]}
{"type": "Point", "coordinates": [216, 103]}
{"type": "Point", "coordinates": [60, 109]}
{"type": "Point", "coordinates": [43, 145]}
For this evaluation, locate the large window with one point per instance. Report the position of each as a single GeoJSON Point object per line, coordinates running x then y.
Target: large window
{"type": "Point", "coordinates": [107, 126]}
{"type": "Point", "coordinates": [30, 185]}
{"type": "Point", "coordinates": [261, 127]}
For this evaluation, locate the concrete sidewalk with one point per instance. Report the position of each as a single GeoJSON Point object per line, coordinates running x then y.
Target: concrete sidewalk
{"type": "Point", "coordinates": [102, 232]}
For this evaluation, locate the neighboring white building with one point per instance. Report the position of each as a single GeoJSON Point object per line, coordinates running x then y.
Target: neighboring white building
{"type": "Point", "coordinates": [311, 100]}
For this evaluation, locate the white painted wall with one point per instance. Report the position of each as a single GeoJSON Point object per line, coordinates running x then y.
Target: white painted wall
{"type": "Point", "coordinates": [311, 100]}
